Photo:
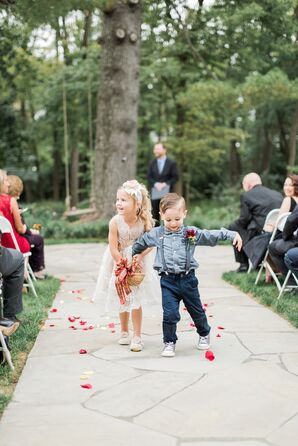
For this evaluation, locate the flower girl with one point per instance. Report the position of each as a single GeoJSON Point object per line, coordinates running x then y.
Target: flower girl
{"type": "Point", "coordinates": [132, 220]}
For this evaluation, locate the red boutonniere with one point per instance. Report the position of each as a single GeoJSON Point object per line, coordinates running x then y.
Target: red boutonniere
{"type": "Point", "coordinates": [190, 235]}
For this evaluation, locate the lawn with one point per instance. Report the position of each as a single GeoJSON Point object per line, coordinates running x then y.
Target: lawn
{"type": "Point", "coordinates": [21, 342]}
{"type": "Point", "coordinates": [266, 294]}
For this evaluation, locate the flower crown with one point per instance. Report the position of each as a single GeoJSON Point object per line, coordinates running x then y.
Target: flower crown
{"type": "Point", "coordinates": [133, 188]}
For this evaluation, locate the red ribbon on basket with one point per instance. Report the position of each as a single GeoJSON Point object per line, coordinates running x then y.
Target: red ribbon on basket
{"type": "Point", "coordinates": [122, 271]}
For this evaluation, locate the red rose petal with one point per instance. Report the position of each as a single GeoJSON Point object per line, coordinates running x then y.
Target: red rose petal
{"type": "Point", "coordinates": [218, 335]}
{"type": "Point", "coordinates": [209, 355]}
{"type": "Point", "coordinates": [205, 305]}
{"type": "Point", "coordinates": [192, 325]}
{"type": "Point", "coordinates": [83, 322]}
{"type": "Point", "coordinates": [111, 325]}
{"type": "Point", "coordinates": [86, 386]}
{"type": "Point", "coordinates": [71, 319]}
{"type": "Point", "coordinates": [77, 317]}
{"type": "Point", "coordinates": [91, 327]}
{"type": "Point", "coordinates": [82, 351]}
{"type": "Point", "coordinates": [85, 328]}
{"type": "Point", "coordinates": [184, 309]}
{"type": "Point", "coordinates": [53, 310]}
{"type": "Point", "coordinates": [52, 325]}
{"type": "Point", "coordinates": [220, 327]}
{"type": "Point", "coordinates": [73, 327]}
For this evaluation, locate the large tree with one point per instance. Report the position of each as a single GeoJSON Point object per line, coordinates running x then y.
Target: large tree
{"type": "Point", "coordinates": [116, 130]}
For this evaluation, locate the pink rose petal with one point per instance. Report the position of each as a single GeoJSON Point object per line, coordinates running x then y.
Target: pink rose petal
{"type": "Point", "coordinates": [111, 325]}
{"type": "Point", "coordinates": [209, 355]}
{"type": "Point", "coordinates": [184, 309]}
{"type": "Point", "coordinates": [71, 319]}
{"type": "Point", "coordinates": [86, 386]}
{"type": "Point", "coordinates": [218, 335]}
{"type": "Point", "coordinates": [82, 351]}
{"type": "Point", "coordinates": [192, 324]}
{"type": "Point", "coordinates": [220, 327]}
{"type": "Point", "coordinates": [91, 327]}
{"type": "Point", "coordinates": [83, 322]}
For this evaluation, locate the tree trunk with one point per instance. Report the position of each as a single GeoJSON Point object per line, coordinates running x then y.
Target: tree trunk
{"type": "Point", "coordinates": [266, 151]}
{"type": "Point", "coordinates": [235, 163]}
{"type": "Point", "coordinates": [292, 139]}
{"type": "Point", "coordinates": [116, 128]}
{"type": "Point", "coordinates": [57, 165]}
{"type": "Point", "coordinates": [74, 186]}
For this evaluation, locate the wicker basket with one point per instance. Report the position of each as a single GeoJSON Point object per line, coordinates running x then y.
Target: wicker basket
{"type": "Point", "coordinates": [136, 278]}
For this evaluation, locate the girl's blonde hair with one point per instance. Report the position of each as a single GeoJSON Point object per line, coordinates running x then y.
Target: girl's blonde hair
{"type": "Point", "coordinates": [3, 175]}
{"type": "Point", "coordinates": [140, 195]}
{"type": "Point", "coordinates": [16, 186]}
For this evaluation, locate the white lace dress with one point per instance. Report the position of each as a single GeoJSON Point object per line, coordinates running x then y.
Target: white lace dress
{"type": "Point", "coordinates": [105, 287]}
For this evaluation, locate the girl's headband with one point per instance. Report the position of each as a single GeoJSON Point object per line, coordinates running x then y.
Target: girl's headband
{"type": "Point", "coordinates": [135, 189]}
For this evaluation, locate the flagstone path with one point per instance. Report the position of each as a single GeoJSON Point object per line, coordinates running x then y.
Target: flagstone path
{"type": "Point", "coordinates": [247, 396]}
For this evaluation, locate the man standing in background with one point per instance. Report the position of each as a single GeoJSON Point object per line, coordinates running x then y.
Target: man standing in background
{"type": "Point", "coordinates": [162, 176]}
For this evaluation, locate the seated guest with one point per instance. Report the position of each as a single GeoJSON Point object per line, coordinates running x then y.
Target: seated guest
{"type": "Point", "coordinates": [278, 248]}
{"type": "Point", "coordinates": [256, 248]}
{"type": "Point", "coordinates": [36, 241]}
{"type": "Point", "coordinates": [10, 210]}
{"type": "Point", "coordinates": [256, 202]}
{"type": "Point", "coordinates": [11, 284]}
{"type": "Point", "coordinates": [291, 261]}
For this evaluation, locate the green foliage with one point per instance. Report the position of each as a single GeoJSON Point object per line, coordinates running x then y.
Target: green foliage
{"type": "Point", "coordinates": [286, 306]}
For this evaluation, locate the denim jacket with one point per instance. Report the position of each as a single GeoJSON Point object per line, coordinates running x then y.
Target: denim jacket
{"type": "Point", "coordinates": [175, 250]}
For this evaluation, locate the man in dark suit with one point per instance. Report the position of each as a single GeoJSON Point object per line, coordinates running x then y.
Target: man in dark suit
{"type": "Point", "coordinates": [256, 202]}
{"type": "Point", "coordinates": [279, 249]}
{"type": "Point", "coordinates": [162, 176]}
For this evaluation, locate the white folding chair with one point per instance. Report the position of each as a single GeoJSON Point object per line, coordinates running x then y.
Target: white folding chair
{"type": "Point", "coordinates": [6, 227]}
{"type": "Point", "coordinates": [280, 222]}
{"type": "Point", "coordinates": [285, 285]}
{"type": "Point", "coordinates": [271, 219]}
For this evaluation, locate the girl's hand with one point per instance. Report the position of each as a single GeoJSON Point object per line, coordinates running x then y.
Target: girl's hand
{"type": "Point", "coordinates": [237, 242]}
{"type": "Point", "coordinates": [138, 258]}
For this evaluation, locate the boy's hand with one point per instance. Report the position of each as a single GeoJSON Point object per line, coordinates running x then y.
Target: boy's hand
{"type": "Point", "coordinates": [138, 258]}
{"type": "Point", "coordinates": [237, 242]}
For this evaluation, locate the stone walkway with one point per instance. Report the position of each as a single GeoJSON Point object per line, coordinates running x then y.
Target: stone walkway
{"type": "Point", "coordinates": [247, 396]}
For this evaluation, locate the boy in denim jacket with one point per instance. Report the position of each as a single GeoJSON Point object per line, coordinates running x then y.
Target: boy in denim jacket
{"type": "Point", "coordinates": [176, 265]}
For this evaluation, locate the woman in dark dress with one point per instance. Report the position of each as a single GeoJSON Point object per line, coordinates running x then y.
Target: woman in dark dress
{"type": "Point", "coordinates": [256, 248]}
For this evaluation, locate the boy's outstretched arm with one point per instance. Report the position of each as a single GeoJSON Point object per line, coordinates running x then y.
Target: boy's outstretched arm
{"type": "Point", "coordinates": [212, 237]}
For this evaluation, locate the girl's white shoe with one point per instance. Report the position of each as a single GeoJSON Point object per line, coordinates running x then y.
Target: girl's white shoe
{"type": "Point", "coordinates": [136, 344]}
{"type": "Point", "coordinates": [124, 338]}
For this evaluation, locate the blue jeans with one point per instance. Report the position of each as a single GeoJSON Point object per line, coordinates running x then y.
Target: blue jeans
{"type": "Point", "coordinates": [174, 288]}
{"type": "Point", "coordinates": [291, 260]}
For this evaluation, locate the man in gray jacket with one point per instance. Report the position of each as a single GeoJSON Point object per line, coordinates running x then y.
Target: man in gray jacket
{"type": "Point", "coordinates": [256, 202]}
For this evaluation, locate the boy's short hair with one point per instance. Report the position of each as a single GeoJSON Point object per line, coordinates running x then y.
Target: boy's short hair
{"type": "Point", "coordinates": [171, 200]}
{"type": "Point", "coordinates": [15, 185]}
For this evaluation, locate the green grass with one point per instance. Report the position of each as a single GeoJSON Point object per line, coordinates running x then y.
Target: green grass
{"type": "Point", "coordinates": [266, 294]}
{"type": "Point", "coordinates": [21, 342]}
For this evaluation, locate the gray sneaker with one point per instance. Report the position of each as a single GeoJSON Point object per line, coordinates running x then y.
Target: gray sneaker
{"type": "Point", "coordinates": [204, 342]}
{"type": "Point", "coordinates": [169, 350]}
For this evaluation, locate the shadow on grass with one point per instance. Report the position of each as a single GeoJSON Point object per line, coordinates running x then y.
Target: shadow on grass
{"type": "Point", "coordinates": [21, 342]}
{"type": "Point", "coordinates": [266, 294]}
